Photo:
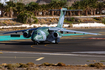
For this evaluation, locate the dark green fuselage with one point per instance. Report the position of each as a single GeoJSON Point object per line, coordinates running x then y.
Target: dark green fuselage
{"type": "Point", "coordinates": [43, 34]}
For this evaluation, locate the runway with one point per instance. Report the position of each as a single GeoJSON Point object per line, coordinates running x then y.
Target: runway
{"type": "Point", "coordinates": [66, 45]}
{"type": "Point", "coordinates": [82, 49]}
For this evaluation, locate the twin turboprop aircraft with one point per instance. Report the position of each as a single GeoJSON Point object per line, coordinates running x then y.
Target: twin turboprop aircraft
{"type": "Point", "coordinates": [50, 34]}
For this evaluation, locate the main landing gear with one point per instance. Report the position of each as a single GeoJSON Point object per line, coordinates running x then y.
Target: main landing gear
{"type": "Point", "coordinates": [35, 43]}
{"type": "Point", "coordinates": [56, 41]}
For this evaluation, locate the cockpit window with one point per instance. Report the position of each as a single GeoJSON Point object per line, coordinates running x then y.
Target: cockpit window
{"type": "Point", "coordinates": [38, 33]}
{"type": "Point", "coordinates": [35, 32]}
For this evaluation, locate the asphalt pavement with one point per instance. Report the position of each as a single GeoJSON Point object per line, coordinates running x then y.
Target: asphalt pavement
{"type": "Point", "coordinates": [82, 49]}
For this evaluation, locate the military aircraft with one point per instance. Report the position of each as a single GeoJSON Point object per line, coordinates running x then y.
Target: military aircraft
{"type": "Point", "coordinates": [50, 34]}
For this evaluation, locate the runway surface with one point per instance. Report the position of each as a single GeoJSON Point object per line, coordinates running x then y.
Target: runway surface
{"type": "Point", "coordinates": [82, 49]}
{"type": "Point", "coordinates": [66, 45]}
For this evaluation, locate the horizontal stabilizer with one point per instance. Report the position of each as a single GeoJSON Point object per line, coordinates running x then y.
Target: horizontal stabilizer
{"type": "Point", "coordinates": [65, 10]}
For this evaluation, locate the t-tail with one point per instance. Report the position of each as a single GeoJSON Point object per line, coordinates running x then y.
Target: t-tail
{"type": "Point", "coordinates": [62, 17]}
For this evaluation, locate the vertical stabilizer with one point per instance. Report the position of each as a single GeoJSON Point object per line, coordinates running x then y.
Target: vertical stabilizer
{"type": "Point", "coordinates": [62, 17]}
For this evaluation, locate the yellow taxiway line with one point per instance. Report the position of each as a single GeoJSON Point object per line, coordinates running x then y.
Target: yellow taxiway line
{"type": "Point", "coordinates": [1, 52]}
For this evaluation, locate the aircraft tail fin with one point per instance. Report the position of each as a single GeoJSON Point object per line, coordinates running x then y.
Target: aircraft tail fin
{"type": "Point", "coordinates": [62, 15]}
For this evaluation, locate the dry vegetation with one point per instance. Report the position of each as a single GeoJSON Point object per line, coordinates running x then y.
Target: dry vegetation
{"type": "Point", "coordinates": [69, 21]}
{"type": "Point", "coordinates": [49, 66]}
{"type": "Point", "coordinates": [53, 20]}
{"type": "Point", "coordinates": [41, 21]}
{"type": "Point", "coordinates": [7, 22]}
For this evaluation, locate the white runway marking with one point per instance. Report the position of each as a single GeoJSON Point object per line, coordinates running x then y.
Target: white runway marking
{"type": "Point", "coordinates": [39, 58]}
{"type": "Point", "coordinates": [59, 54]}
{"type": "Point", "coordinates": [91, 52]}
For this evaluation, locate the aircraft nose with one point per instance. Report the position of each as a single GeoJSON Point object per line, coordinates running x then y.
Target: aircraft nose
{"type": "Point", "coordinates": [33, 37]}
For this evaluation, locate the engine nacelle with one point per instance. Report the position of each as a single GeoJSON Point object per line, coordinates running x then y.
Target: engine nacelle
{"type": "Point", "coordinates": [55, 35]}
{"type": "Point", "coordinates": [27, 34]}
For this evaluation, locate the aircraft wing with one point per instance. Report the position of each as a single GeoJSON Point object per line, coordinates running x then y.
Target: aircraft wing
{"type": "Point", "coordinates": [65, 30]}
{"type": "Point", "coordinates": [79, 32]}
{"type": "Point", "coordinates": [20, 31]}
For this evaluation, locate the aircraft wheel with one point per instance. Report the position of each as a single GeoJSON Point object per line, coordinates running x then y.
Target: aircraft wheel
{"type": "Point", "coordinates": [56, 41]}
{"type": "Point", "coordinates": [42, 42]}
{"type": "Point", "coordinates": [35, 43]}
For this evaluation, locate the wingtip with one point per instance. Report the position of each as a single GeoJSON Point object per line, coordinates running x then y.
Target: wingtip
{"type": "Point", "coordinates": [5, 33]}
{"type": "Point", "coordinates": [99, 34]}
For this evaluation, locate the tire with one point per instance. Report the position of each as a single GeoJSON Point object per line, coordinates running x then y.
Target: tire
{"type": "Point", "coordinates": [56, 41]}
{"type": "Point", "coordinates": [35, 43]}
{"type": "Point", "coordinates": [42, 42]}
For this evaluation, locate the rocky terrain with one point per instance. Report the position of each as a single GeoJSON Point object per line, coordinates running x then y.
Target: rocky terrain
{"type": "Point", "coordinates": [49, 66]}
